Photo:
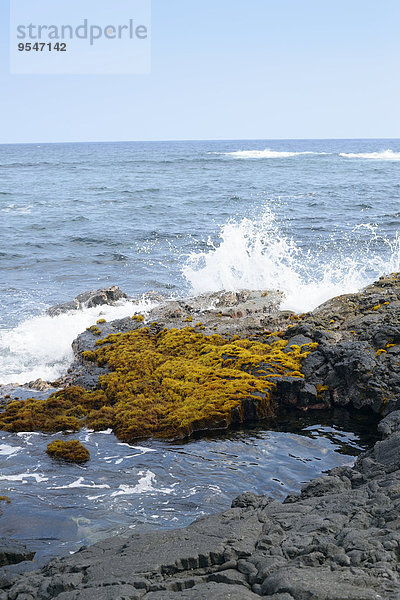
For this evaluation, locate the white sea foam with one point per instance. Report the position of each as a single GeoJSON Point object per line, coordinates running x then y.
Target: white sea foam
{"type": "Point", "coordinates": [23, 477]}
{"type": "Point", "coordinates": [383, 155]}
{"type": "Point", "coordinates": [41, 346]}
{"type": "Point", "coordinates": [24, 210]}
{"type": "Point", "coordinates": [267, 153]}
{"type": "Point", "coordinates": [145, 484]}
{"type": "Point", "coordinates": [7, 450]}
{"type": "Point", "coordinates": [80, 483]}
{"type": "Point", "coordinates": [254, 254]}
{"type": "Point", "coordinates": [142, 449]}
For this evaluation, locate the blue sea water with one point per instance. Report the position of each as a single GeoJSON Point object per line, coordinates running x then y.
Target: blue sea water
{"type": "Point", "coordinates": [56, 508]}
{"type": "Point", "coordinates": [314, 218]}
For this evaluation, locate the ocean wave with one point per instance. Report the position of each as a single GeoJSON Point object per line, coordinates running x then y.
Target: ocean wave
{"type": "Point", "coordinates": [13, 208]}
{"type": "Point", "coordinates": [383, 155]}
{"type": "Point", "coordinates": [267, 153]}
{"type": "Point", "coordinates": [254, 254]}
{"type": "Point", "coordinates": [41, 346]}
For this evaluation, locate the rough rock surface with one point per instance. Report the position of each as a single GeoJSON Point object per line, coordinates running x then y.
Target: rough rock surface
{"type": "Point", "coordinates": [225, 313]}
{"type": "Point", "coordinates": [88, 299]}
{"type": "Point", "coordinates": [357, 362]}
{"type": "Point", "coordinates": [12, 552]}
{"type": "Point", "coordinates": [339, 539]}
{"type": "Point", "coordinates": [358, 359]}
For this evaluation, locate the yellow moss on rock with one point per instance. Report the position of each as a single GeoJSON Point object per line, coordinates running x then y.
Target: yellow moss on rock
{"type": "Point", "coordinates": [167, 384]}
{"type": "Point", "coordinates": [65, 410]}
{"type": "Point", "coordinates": [70, 451]}
{"type": "Point", "coordinates": [93, 329]}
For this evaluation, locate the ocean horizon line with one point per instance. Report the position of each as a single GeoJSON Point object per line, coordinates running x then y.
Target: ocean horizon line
{"type": "Point", "coordinates": [167, 141]}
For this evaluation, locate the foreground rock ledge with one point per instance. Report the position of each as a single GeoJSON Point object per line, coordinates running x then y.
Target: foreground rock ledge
{"type": "Point", "coordinates": [338, 540]}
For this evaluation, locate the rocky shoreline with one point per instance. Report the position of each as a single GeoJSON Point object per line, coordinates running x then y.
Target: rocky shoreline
{"type": "Point", "coordinates": [338, 539]}
{"type": "Point", "coordinates": [356, 362]}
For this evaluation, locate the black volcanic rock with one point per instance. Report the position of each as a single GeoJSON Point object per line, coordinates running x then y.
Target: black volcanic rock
{"type": "Point", "coordinates": [13, 552]}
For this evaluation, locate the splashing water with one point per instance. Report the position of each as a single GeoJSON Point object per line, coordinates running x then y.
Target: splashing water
{"type": "Point", "coordinates": [254, 254]}
{"type": "Point", "coordinates": [41, 346]}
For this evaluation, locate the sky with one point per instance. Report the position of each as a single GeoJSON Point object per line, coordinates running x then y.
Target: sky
{"type": "Point", "coordinates": [226, 69]}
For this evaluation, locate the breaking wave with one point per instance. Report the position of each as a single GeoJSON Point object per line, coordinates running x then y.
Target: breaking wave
{"type": "Point", "coordinates": [250, 253]}
{"type": "Point", "coordinates": [254, 254]}
{"type": "Point", "coordinates": [383, 155]}
{"type": "Point", "coordinates": [267, 153]}
{"type": "Point", "coordinates": [40, 347]}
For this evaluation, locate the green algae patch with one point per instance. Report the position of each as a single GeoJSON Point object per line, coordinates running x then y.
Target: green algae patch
{"type": "Point", "coordinates": [70, 451]}
{"type": "Point", "coordinates": [168, 384]}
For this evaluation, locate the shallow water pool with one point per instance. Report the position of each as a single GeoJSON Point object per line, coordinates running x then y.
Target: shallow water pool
{"type": "Point", "coordinates": [57, 507]}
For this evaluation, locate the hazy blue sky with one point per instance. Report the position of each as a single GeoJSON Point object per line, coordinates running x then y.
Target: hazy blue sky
{"type": "Point", "coordinates": [227, 69]}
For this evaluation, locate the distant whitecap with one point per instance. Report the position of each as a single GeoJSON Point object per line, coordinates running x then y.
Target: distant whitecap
{"type": "Point", "coordinates": [383, 155]}
{"type": "Point", "coordinates": [267, 153]}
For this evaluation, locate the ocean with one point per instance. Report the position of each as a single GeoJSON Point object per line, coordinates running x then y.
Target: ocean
{"type": "Point", "coordinates": [313, 218]}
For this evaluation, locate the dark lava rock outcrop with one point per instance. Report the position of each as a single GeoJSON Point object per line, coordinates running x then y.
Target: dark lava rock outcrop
{"type": "Point", "coordinates": [356, 363]}
{"type": "Point", "coordinates": [13, 552]}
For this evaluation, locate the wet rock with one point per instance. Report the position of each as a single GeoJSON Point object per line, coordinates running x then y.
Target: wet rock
{"type": "Point", "coordinates": [89, 299]}
{"type": "Point", "coordinates": [339, 538]}
{"type": "Point", "coordinates": [228, 313]}
{"type": "Point", "coordinates": [10, 392]}
{"type": "Point", "coordinates": [358, 336]}
{"type": "Point", "coordinates": [390, 424]}
{"type": "Point", "coordinates": [13, 552]}
{"type": "Point", "coordinates": [39, 385]}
